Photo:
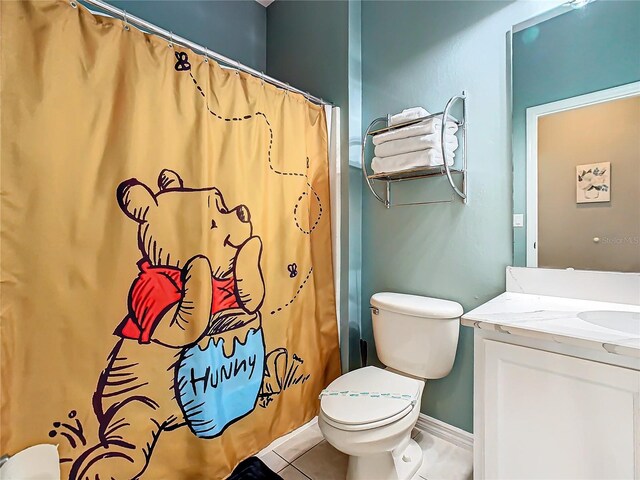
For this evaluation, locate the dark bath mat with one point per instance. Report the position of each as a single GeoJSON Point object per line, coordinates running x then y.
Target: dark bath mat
{"type": "Point", "coordinates": [253, 469]}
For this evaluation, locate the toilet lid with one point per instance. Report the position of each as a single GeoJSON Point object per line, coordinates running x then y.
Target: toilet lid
{"type": "Point", "coordinates": [369, 395]}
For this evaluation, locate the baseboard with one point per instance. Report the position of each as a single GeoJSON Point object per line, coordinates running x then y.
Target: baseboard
{"type": "Point", "coordinates": [279, 441]}
{"type": "Point", "coordinates": [445, 431]}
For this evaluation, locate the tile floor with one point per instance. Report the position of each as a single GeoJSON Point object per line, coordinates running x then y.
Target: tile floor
{"type": "Point", "coordinates": [307, 456]}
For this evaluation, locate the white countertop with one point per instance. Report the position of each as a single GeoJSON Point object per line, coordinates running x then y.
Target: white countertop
{"type": "Point", "coordinates": [555, 319]}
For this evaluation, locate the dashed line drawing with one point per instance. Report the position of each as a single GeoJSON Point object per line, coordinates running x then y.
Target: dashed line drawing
{"type": "Point", "coordinates": [304, 282]}
{"type": "Point", "coordinates": [182, 64]}
{"type": "Point", "coordinates": [297, 205]}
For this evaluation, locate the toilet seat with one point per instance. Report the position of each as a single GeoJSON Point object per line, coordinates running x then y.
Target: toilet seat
{"type": "Point", "coordinates": [367, 426]}
{"type": "Point", "coordinates": [367, 398]}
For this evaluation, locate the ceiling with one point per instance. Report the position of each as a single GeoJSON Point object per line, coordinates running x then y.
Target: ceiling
{"type": "Point", "coordinates": [265, 3]}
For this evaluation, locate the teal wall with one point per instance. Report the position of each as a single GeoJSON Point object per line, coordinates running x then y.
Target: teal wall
{"type": "Point", "coordinates": [421, 53]}
{"type": "Point", "coordinates": [234, 28]}
{"type": "Point", "coordinates": [310, 45]}
{"type": "Point", "coordinates": [355, 181]}
{"type": "Point", "coordinates": [582, 51]}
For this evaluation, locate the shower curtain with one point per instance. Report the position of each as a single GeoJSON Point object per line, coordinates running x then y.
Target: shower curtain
{"type": "Point", "coordinates": [167, 288]}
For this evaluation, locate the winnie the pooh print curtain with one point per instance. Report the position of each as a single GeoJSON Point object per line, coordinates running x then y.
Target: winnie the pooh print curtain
{"type": "Point", "coordinates": [167, 288]}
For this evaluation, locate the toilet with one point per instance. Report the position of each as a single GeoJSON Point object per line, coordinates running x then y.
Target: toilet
{"type": "Point", "coordinates": [369, 413]}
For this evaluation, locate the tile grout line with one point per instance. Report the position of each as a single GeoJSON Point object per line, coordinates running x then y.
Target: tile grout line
{"type": "Point", "coordinates": [285, 461]}
{"type": "Point", "coordinates": [308, 450]}
{"type": "Point", "coordinates": [304, 474]}
{"type": "Point", "coordinates": [303, 453]}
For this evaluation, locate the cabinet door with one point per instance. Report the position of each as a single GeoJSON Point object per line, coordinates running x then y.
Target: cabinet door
{"type": "Point", "coordinates": [550, 416]}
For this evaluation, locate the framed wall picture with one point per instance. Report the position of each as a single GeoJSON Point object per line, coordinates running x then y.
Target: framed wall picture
{"type": "Point", "coordinates": [593, 182]}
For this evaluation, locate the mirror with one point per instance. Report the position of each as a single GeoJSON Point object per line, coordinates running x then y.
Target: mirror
{"type": "Point", "coordinates": [576, 137]}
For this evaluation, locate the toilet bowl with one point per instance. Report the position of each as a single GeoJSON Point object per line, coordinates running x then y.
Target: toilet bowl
{"type": "Point", "coordinates": [369, 413]}
{"type": "Point", "coordinates": [374, 431]}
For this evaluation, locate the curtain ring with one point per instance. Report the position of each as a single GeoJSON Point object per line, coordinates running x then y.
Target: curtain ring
{"type": "Point", "coordinates": [286, 90]}
{"type": "Point", "coordinates": [73, 4]}
{"type": "Point", "coordinates": [170, 40]}
{"type": "Point", "coordinates": [262, 78]}
{"type": "Point", "coordinates": [206, 55]}
{"type": "Point", "coordinates": [238, 67]}
{"type": "Point", "coordinates": [126, 23]}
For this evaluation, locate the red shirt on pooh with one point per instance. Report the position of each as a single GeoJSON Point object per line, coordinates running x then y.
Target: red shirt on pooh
{"type": "Point", "coordinates": [156, 290]}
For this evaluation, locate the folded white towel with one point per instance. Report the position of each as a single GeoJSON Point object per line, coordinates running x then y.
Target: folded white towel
{"type": "Point", "coordinates": [407, 115]}
{"type": "Point", "coordinates": [406, 161]}
{"type": "Point", "coordinates": [425, 127]}
{"type": "Point", "coordinates": [414, 144]}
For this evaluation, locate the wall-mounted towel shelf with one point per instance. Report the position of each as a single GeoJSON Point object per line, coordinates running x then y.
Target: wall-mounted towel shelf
{"type": "Point", "coordinates": [423, 172]}
{"type": "Point", "coordinates": [413, 174]}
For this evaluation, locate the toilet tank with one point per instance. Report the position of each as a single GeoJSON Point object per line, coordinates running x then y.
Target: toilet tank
{"type": "Point", "coordinates": [416, 335]}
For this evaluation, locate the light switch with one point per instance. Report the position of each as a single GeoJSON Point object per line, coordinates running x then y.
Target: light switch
{"type": "Point", "coordinates": [518, 219]}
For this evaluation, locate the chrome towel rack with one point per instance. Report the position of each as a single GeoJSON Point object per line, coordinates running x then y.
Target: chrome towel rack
{"type": "Point", "coordinates": [422, 172]}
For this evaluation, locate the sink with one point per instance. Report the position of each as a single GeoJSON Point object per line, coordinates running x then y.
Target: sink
{"type": "Point", "coordinates": [627, 322]}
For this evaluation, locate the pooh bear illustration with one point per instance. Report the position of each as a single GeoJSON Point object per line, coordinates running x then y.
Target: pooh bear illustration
{"type": "Point", "coordinates": [190, 350]}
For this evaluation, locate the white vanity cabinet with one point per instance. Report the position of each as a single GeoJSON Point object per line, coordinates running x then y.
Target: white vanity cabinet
{"type": "Point", "coordinates": [557, 378]}
{"type": "Point", "coordinates": [548, 415]}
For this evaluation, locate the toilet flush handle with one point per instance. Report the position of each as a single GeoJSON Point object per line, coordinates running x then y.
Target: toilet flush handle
{"type": "Point", "coordinates": [374, 310]}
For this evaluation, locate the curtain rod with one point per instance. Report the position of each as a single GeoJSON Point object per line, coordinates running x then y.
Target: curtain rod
{"type": "Point", "coordinates": [171, 37]}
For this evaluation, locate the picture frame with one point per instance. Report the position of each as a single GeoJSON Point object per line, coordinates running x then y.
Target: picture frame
{"type": "Point", "coordinates": [593, 182]}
